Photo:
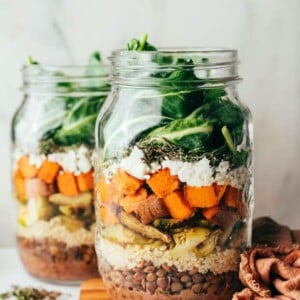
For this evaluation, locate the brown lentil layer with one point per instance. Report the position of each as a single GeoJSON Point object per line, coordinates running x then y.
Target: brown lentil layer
{"type": "Point", "coordinates": [53, 260]}
{"type": "Point", "coordinates": [147, 282]}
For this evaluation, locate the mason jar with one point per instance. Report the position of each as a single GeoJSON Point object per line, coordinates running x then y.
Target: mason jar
{"type": "Point", "coordinates": [173, 175]}
{"type": "Point", "coordinates": [52, 151]}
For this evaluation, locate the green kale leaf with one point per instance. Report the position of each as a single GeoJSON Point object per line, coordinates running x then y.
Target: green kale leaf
{"type": "Point", "coordinates": [79, 123]}
{"type": "Point", "coordinates": [188, 133]}
{"type": "Point", "coordinates": [77, 114]}
{"type": "Point", "coordinates": [140, 44]}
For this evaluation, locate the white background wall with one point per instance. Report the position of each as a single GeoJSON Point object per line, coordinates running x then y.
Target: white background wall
{"type": "Point", "coordinates": [266, 33]}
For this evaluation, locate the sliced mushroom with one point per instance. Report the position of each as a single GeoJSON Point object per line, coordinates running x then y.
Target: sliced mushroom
{"type": "Point", "coordinates": [81, 200]}
{"type": "Point", "coordinates": [146, 230]}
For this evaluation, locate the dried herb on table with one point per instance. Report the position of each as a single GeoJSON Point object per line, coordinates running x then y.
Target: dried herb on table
{"type": "Point", "coordinates": [30, 293]}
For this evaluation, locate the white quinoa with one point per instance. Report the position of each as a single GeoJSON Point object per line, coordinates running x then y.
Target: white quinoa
{"type": "Point", "coordinates": [54, 229]}
{"type": "Point", "coordinates": [130, 256]}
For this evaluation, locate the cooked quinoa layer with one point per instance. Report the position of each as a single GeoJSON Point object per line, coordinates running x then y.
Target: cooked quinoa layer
{"type": "Point", "coordinates": [128, 257]}
{"type": "Point", "coordinates": [55, 230]}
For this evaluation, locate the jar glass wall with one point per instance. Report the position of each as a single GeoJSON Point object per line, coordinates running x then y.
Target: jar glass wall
{"type": "Point", "coordinates": [173, 176]}
{"type": "Point", "coordinates": [52, 149]}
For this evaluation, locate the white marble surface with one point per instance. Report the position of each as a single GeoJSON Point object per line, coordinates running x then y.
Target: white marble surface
{"type": "Point", "coordinates": [266, 33]}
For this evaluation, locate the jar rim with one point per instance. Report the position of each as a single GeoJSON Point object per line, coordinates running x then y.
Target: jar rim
{"type": "Point", "coordinates": [213, 65]}
{"type": "Point", "coordinates": [224, 55]}
{"type": "Point", "coordinates": [52, 79]}
{"type": "Point", "coordinates": [53, 68]}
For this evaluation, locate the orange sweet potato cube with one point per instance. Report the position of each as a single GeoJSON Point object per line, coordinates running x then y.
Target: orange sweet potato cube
{"type": "Point", "coordinates": [19, 185]}
{"type": "Point", "coordinates": [48, 171]}
{"type": "Point", "coordinates": [201, 196]}
{"type": "Point", "coordinates": [177, 206]}
{"type": "Point", "coordinates": [66, 183]}
{"type": "Point", "coordinates": [27, 170]}
{"type": "Point", "coordinates": [107, 217]}
{"type": "Point", "coordinates": [219, 190]}
{"type": "Point", "coordinates": [106, 191]}
{"type": "Point", "coordinates": [85, 181]}
{"type": "Point", "coordinates": [125, 183]}
{"type": "Point", "coordinates": [128, 202]}
{"type": "Point", "coordinates": [163, 183]}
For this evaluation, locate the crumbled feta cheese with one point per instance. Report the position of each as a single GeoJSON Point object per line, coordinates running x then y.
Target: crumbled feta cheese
{"type": "Point", "coordinates": [195, 174]}
{"type": "Point", "coordinates": [84, 160]}
{"type": "Point", "coordinates": [173, 165]}
{"type": "Point", "coordinates": [155, 166]}
{"type": "Point", "coordinates": [185, 172]}
{"type": "Point", "coordinates": [203, 173]}
{"type": "Point", "coordinates": [17, 154]}
{"type": "Point", "coordinates": [83, 164]}
{"type": "Point", "coordinates": [110, 171]}
{"type": "Point", "coordinates": [66, 159]}
{"type": "Point", "coordinates": [237, 177]}
{"type": "Point", "coordinates": [134, 164]}
{"type": "Point", "coordinates": [36, 160]}
{"type": "Point", "coordinates": [221, 172]}
{"type": "Point", "coordinates": [75, 160]}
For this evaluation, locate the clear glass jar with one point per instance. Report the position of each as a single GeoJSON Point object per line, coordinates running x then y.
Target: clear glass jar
{"type": "Point", "coordinates": [173, 176]}
{"type": "Point", "coordinates": [53, 176]}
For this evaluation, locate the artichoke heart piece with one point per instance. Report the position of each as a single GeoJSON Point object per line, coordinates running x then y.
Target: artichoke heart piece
{"type": "Point", "coordinates": [23, 215]}
{"type": "Point", "coordinates": [38, 208]}
{"type": "Point", "coordinates": [188, 239]}
{"type": "Point", "coordinates": [122, 235]}
{"type": "Point", "coordinates": [81, 200]}
{"type": "Point", "coordinates": [71, 224]}
{"type": "Point", "coordinates": [75, 211]}
{"type": "Point", "coordinates": [208, 245]}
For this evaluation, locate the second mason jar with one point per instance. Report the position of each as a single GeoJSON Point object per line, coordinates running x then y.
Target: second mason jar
{"type": "Point", "coordinates": [53, 176]}
{"type": "Point", "coordinates": [173, 176]}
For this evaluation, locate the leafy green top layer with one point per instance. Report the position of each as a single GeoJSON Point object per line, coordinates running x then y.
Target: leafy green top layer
{"type": "Point", "coordinates": [197, 120]}
{"type": "Point", "coordinates": [69, 119]}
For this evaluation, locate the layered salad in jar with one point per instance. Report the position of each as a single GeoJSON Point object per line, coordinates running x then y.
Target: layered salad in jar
{"type": "Point", "coordinates": [53, 175]}
{"type": "Point", "coordinates": [174, 206]}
